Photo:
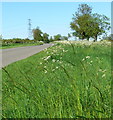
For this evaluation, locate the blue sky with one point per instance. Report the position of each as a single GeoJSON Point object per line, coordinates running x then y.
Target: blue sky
{"type": "Point", "coordinates": [51, 17]}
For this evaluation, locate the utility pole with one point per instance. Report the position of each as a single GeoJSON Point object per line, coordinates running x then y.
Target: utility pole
{"type": "Point", "coordinates": [29, 29]}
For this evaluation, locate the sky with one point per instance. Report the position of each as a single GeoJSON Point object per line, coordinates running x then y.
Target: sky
{"type": "Point", "coordinates": [51, 17]}
{"type": "Point", "coordinates": [56, 0]}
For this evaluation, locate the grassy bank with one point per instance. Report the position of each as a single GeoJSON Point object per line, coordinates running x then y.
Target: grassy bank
{"type": "Point", "coordinates": [64, 81]}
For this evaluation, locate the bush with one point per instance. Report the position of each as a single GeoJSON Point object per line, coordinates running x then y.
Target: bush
{"type": "Point", "coordinates": [8, 42]}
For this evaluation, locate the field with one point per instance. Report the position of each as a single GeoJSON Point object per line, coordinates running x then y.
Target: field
{"type": "Point", "coordinates": [14, 45]}
{"type": "Point", "coordinates": [68, 80]}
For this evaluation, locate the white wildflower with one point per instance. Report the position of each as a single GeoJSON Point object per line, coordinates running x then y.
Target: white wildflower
{"type": "Point", "coordinates": [104, 70]}
{"type": "Point", "coordinates": [100, 70]}
{"type": "Point", "coordinates": [45, 71]}
{"type": "Point", "coordinates": [44, 66]}
{"type": "Point", "coordinates": [90, 64]}
{"type": "Point", "coordinates": [53, 70]}
{"type": "Point", "coordinates": [63, 50]}
{"type": "Point", "coordinates": [83, 59]}
{"type": "Point", "coordinates": [103, 75]}
{"type": "Point", "coordinates": [91, 61]}
{"type": "Point", "coordinates": [47, 58]}
{"type": "Point", "coordinates": [57, 67]}
{"type": "Point", "coordinates": [53, 60]}
{"type": "Point", "coordinates": [87, 57]}
{"type": "Point", "coordinates": [60, 62]}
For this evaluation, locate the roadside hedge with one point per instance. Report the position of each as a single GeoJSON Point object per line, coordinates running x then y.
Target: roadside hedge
{"type": "Point", "coordinates": [5, 42]}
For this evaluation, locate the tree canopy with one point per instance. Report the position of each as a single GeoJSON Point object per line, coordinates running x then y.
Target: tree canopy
{"type": "Point", "coordinates": [87, 25]}
{"type": "Point", "coordinates": [57, 37]}
{"type": "Point", "coordinates": [45, 37]}
{"type": "Point", "coordinates": [37, 34]}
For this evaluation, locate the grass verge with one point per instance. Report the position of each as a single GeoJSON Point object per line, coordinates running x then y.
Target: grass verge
{"type": "Point", "coordinates": [64, 81]}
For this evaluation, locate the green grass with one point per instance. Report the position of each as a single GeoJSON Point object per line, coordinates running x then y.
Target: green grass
{"type": "Point", "coordinates": [14, 45]}
{"type": "Point", "coordinates": [64, 81]}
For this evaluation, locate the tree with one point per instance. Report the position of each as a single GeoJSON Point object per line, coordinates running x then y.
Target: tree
{"type": "Point", "coordinates": [69, 35]}
{"type": "Point", "coordinates": [87, 25]}
{"type": "Point", "coordinates": [45, 38]}
{"type": "Point", "coordinates": [57, 37]}
{"type": "Point", "coordinates": [81, 21]}
{"type": "Point", "coordinates": [64, 38]}
{"type": "Point", "coordinates": [37, 34]}
{"type": "Point", "coordinates": [100, 25]}
{"type": "Point", "coordinates": [0, 37]}
{"type": "Point", "coordinates": [110, 37]}
{"type": "Point", "coordinates": [51, 39]}
{"type": "Point", "coordinates": [1, 40]}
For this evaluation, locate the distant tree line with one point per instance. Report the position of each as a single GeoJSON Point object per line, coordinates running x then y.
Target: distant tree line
{"type": "Point", "coordinates": [110, 37]}
{"type": "Point", "coordinates": [5, 42]}
{"type": "Point", "coordinates": [38, 35]}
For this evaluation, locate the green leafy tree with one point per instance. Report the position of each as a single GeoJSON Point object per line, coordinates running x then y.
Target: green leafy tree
{"type": "Point", "coordinates": [37, 34]}
{"type": "Point", "coordinates": [1, 40]}
{"type": "Point", "coordinates": [64, 38]}
{"type": "Point", "coordinates": [45, 38]}
{"type": "Point", "coordinates": [110, 37]}
{"type": "Point", "coordinates": [69, 35]}
{"type": "Point", "coordinates": [87, 25]}
{"type": "Point", "coordinates": [57, 37]}
{"type": "Point", "coordinates": [83, 9]}
{"type": "Point", "coordinates": [100, 24]}
{"type": "Point", "coordinates": [0, 37]}
{"type": "Point", "coordinates": [81, 21]}
{"type": "Point", "coordinates": [51, 39]}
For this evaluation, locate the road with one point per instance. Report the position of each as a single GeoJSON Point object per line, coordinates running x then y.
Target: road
{"type": "Point", "coordinates": [14, 54]}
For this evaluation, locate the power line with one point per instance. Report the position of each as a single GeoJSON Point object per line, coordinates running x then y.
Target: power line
{"type": "Point", "coordinates": [29, 29]}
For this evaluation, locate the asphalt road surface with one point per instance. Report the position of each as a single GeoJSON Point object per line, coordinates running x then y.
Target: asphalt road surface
{"type": "Point", "coordinates": [14, 54]}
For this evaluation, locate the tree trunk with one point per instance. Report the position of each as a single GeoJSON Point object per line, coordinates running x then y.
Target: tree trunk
{"type": "Point", "coordinates": [88, 38]}
{"type": "Point", "coordinates": [95, 40]}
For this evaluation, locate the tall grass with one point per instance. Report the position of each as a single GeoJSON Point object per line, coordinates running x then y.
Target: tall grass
{"type": "Point", "coordinates": [64, 81]}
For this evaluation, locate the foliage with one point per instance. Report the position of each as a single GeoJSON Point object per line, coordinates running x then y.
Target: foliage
{"type": "Point", "coordinates": [87, 25]}
{"type": "Point", "coordinates": [51, 39]}
{"type": "Point", "coordinates": [64, 81]}
{"type": "Point", "coordinates": [45, 38]}
{"type": "Point", "coordinates": [64, 38]}
{"type": "Point", "coordinates": [17, 42]}
{"type": "Point", "coordinates": [57, 37]}
{"type": "Point", "coordinates": [81, 27]}
{"type": "Point", "coordinates": [83, 9]}
{"type": "Point", "coordinates": [69, 35]}
{"type": "Point", "coordinates": [100, 25]}
{"type": "Point", "coordinates": [110, 37]}
{"type": "Point", "coordinates": [37, 34]}
{"type": "Point", "coordinates": [0, 37]}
